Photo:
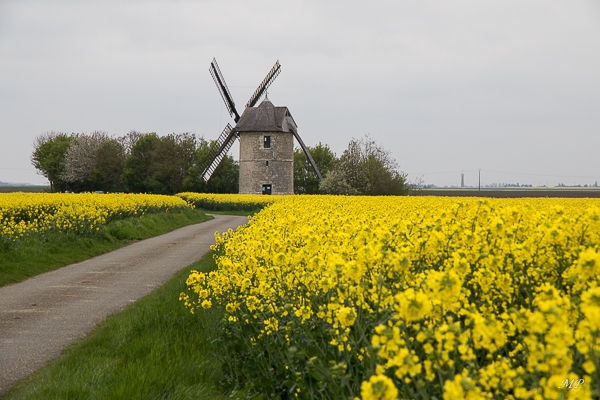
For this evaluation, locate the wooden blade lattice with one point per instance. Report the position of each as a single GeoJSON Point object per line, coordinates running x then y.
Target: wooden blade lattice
{"type": "Point", "coordinates": [264, 85]}
{"type": "Point", "coordinates": [223, 89]}
{"type": "Point", "coordinates": [225, 142]}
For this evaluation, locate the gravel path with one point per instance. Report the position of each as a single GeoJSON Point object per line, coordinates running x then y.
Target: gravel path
{"type": "Point", "coordinates": [43, 315]}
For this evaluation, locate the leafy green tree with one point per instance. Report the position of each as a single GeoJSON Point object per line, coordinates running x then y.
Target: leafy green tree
{"type": "Point", "coordinates": [225, 179]}
{"type": "Point", "coordinates": [159, 164]}
{"type": "Point", "coordinates": [173, 156]}
{"type": "Point", "coordinates": [306, 180]}
{"type": "Point", "coordinates": [48, 157]}
{"type": "Point", "coordinates": [137, 170]}
{"type": "Point", "coordinates": [382, 170]}
{"type": "Point", "coordinates": [108, 167]}
{"type": "Point", "coordinates": [365, 168]}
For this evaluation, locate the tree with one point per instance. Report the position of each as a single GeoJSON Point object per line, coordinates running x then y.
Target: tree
{"type": "Point", "coordinates": [108, 167]}
{"type": "Point", "coordinates": [129, 140]}
{"type": "Point", "coordinates": [306, 180]}
{"type": "Point", "coordinates": [336, 183]}
{"type": "Point", "coordinates": [365, 168]}
{"type": "Point", "coordinates": [137, 169]}
{"type": "Point", "coordinates": [159, 164]}
{"type": "Point", "coordinates": [48, 157]}
{"type": "Point", "coordinates": [173, 156]}
{"type": "Point", "coordinates": [225, 179]}
{"type": "Point", "coordinates": [80, 159]}
{"type": "Point", "coordinates": [351, 167]}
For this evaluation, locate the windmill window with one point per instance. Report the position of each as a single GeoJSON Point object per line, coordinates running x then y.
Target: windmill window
{"type": "Point", "coordinates": [266, 189]}
{"type": "Point", "coordinates": [267, 163]}
{"type": "Point", "coordinates": [267, 142]}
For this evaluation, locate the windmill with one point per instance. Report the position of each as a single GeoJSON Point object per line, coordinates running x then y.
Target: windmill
{"type": "Point", "coordinates": [266, 135]}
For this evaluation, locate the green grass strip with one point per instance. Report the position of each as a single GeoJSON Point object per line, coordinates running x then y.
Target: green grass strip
{"type": "Point", "coordinates": [154, 349]}
{"type": "Point", "coordinates": [35, 255]}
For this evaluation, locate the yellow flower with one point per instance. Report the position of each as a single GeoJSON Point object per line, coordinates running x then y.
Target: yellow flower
{"type": "Point", "coordinates": [206, 304]}
{"type": "Point", "coordinates": [379, 387]}
{"type": "Point", "coordinates": [413, 305]}
{"type": "Point", "coordinates": [345, 316]}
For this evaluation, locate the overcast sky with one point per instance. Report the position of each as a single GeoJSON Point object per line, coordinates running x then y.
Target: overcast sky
{"type": "Point", "coordinates": [508, 87]}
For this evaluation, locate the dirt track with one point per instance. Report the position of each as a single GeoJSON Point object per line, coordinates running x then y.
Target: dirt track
{"type": "Point", "coordinates": [43, 315]}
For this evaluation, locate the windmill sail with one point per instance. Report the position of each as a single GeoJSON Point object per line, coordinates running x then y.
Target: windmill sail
{"type": "Point", "coordinates": [225, 142]}
{"type": "Point", "coordinates": [264, 85]}
{"type": "Point", "coordinates": [223, 89]}
{"type": "Point", "coordinates": [310, 159]}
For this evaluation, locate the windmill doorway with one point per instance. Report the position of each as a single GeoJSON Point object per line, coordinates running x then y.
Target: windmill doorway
{"type": "Point", "coordinates": [266, 189]}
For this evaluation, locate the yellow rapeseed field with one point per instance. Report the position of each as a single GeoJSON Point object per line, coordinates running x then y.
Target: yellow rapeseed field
{"type": "Point", "coordinates": [23, 214]}
{"type": "Point", "coordinates": [410, 297]}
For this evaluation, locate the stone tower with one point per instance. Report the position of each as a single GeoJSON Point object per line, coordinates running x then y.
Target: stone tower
{"type": "Point", "coordinates": [266, 136]}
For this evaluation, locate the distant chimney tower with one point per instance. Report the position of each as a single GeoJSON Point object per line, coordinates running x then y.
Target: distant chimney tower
{"type": "Point", "coordinates": [462, 180]}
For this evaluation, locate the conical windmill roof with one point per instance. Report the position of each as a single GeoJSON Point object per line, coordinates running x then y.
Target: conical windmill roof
{"type": "Point", "coordinates": [266, 118]}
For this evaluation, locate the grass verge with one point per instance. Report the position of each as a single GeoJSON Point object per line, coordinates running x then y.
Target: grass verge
{"type": "Point", "coordinates": [154, 349]}
{"type": "Point", "coordinates": [35, 255]}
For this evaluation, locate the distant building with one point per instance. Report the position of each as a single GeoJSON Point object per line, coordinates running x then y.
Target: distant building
{"type": "Point", "coordinates": [462, 180]}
